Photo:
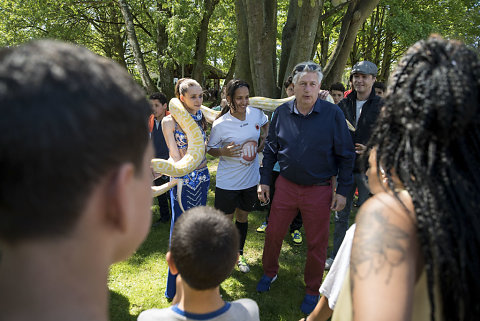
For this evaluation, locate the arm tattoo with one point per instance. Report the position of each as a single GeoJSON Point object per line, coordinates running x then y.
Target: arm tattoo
{"type": "Point", "coordinates": [377, 245]}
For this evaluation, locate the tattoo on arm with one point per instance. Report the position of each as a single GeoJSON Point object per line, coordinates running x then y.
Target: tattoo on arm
{"type": "Point", "coordinates": [378, 245]}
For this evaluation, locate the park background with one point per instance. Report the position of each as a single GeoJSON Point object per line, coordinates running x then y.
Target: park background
{"type": "Point", "coordinates": [256, 40]}
{"type": "Point", "coordinates": [212, 41]}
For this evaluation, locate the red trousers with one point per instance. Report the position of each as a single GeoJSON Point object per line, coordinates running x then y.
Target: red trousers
{"type": "Point", "coordinates": [314, 204]}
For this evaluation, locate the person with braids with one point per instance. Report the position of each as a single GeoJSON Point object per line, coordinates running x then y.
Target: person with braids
{"type": "Point", "coordinates": [416, 244]}
{"type": "Point", "coordinates": [195, 184]}
{"type": "Point", "coordinates": [234, 138]}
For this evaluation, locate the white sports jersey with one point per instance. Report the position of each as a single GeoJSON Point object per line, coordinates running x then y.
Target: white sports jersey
{"type": "Point", "coordinates": [236, 173]}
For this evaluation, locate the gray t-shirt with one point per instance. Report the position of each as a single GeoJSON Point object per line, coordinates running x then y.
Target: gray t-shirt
{"type": "Point", "coordinates": [241, 310]}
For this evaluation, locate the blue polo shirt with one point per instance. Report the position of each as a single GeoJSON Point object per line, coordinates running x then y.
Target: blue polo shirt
{"type": "Point", "coordinates": [309, 149]}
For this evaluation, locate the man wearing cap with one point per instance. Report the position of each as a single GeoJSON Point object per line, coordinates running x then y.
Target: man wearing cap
{"type": "Point", "coordinates": [310, 140]}
{"type": "Point", "coordinates": [361, 108]}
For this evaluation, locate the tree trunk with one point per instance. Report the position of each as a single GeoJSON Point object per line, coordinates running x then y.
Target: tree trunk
{"type": "Point", "coordinates": [228, 77]}
{"type": "Point", "coordinates": [288, 37]}
{"type": "Point", "coordinates": [117, 38]}
{"type": "Point", "coordinates": [230, 72]}
{"type": "Point", "coordinates": [132, 39]}
{"type": "Point", "coordinates": [242, 66]}
{"type": "Point", "coordinates": [201, 41]}
{"type": "Point", "coordinates": [357, 12]}
{"type": "Point", "coordinates": [387, 57]}
{"type": "Point", "coordinates": [262, 32]}
{"type": "Point", "coordinates": [165, 65]}
{"type": "Point", "coordinates": [379, 36]}
{"type": "Point", "coordinates": [305, 30]}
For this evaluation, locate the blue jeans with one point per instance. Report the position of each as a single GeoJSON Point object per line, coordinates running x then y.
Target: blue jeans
{"type": "Point", "coordinates": [341, 218]}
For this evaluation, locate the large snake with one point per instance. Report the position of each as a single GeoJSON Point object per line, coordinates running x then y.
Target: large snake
{"type": "Point", "coordinates": [196, 146]}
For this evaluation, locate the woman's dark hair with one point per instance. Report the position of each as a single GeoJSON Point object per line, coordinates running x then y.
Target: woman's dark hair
{"type": "Point", "coordinates": [288, 82]}
{"type": "Point", "coordinates": [232, 86]}
{"type": "Point", "coordinates": [181, 88]}
{"type": "Point", "coordinates": [429, 133]}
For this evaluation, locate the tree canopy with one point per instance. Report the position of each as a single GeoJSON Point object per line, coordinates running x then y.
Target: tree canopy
{"type": "Point", "coordinates": [259, 41]}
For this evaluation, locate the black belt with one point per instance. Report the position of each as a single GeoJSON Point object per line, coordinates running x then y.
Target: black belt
{"type": "Point", "coordinates": [324, 183]}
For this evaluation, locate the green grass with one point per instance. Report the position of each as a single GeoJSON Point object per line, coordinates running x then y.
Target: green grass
{"type": "Point", "coordinates": [139, 283]}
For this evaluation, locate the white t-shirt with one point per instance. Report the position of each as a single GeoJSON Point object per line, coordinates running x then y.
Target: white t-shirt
{"type": "Point", "coordinates": [333, 282]}
{"type": "Point", "coordinates": [236, 173]}
{"type": "Point", "coordinates": [241, 310]}
{"type": "Point", "coordinates": [360, 104]}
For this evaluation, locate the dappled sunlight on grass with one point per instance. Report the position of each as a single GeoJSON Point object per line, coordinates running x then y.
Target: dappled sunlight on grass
{"type": "Point", "coordinates": [139, 282]}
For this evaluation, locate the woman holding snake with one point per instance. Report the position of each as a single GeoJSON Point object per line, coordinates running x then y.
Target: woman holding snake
{"type": "Point", "coordinates": [195, 184]}
{"type": "Point", "coordinates": [234, 138]}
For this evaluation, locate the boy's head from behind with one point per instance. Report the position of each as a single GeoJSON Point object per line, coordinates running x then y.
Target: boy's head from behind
{"type": "Point", "coordinates": [70, 120]}
{"type": "Point", "coordinates": [204, 247]}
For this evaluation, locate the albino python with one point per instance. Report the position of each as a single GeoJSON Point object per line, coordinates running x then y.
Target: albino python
{"type": "Point", "coordinates": [196, 146]}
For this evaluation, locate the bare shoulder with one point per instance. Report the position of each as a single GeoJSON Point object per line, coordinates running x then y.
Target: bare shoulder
{"type": "Point", "coordinates": [168, 122]}
{"type": "Point", "coordinates": [385, 237]}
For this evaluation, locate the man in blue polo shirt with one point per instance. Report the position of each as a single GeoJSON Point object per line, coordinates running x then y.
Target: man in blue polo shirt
{"type": "Point", "coordinates": [310, 140]}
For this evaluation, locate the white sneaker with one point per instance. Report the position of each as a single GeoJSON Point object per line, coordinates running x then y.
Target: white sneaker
{"type": "Point", "coordinates": [328, 263]}
{"type": "Point", "coordinates": [242, 265]}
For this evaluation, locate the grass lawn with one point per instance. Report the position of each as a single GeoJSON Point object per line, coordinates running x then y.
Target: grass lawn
{"type": "Point", "coordinates": [139, 283]}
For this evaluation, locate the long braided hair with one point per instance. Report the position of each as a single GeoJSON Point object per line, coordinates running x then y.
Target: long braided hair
{"type": "Point", "coordinates": [428, 133]}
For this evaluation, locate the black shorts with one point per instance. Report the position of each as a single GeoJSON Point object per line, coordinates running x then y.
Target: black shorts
{"type": "Point", "coordinates": [228, 200]}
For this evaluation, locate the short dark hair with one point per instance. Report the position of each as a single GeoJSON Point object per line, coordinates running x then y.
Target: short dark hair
{"type": "Point", "coordinates": [69, 117]}
{"type": "Point", "coordinates": [379, 85]}
{"type": "Point", "coordinates": [204, 247]}
{"type": "Point", "coordinates": [160, 97]}
{"type": "Point", "coordinates": [288, 82]}
{"type": "Point", "coordinates": [337, 86]}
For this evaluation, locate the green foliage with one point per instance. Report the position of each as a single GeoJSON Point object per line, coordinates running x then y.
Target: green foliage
{"type": "Point", "coordinates": [182, 28]}
{"type": "Point", "coordinates": [222, 35]}
{"type": "Point", "coordinates": [99, 26]}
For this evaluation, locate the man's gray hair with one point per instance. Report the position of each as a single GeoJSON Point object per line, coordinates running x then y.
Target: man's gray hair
{"type": "Point", "coordinates": [303, 68]}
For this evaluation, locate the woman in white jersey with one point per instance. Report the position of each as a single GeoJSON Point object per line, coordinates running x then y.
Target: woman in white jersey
{"type": "Point", "coordinates": [235, 139]}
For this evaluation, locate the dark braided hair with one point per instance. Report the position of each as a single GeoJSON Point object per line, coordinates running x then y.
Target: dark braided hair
{"type": "Point", "coordinates": [232, 86]}
{"type": "Point", "coordinates": [429, 133]}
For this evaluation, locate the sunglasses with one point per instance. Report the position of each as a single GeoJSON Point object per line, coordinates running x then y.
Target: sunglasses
{"type": "Point", "coordinates": [311, 67]}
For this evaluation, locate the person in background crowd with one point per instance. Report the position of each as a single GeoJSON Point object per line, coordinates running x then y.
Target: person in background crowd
{"type": "Point", "coordinates": [158, 101]}
{"type": "Point", "coordinates": [350, 83]}
{"type": "Point", "coordinates": [361, 108]}
{"type": "Point", "coordinates": [379, 89]}
{"type": "Point", "coordinates": [336, 91]}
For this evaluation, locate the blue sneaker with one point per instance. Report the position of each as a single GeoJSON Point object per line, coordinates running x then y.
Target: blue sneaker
{"type": "Point", "coordinates": [309, 303]}
{"type": "Point", "coordinates": [264, 283]}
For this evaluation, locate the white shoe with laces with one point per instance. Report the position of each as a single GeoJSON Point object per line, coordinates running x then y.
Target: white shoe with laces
{"type": "Point", "coordinates": [242, 264]}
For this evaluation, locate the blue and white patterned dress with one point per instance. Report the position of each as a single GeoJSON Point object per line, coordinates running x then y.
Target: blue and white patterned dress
{"type": "Point", "coordinates": [194, 192]}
